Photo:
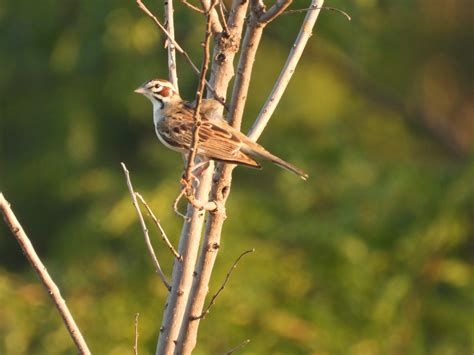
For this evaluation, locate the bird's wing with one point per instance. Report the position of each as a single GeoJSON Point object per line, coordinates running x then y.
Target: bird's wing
{"type": "Point", "coordinates": [216, 141]}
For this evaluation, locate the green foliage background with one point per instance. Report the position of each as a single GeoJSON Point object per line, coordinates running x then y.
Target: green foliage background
{"type": "Point", "coordinates": [373, 255]}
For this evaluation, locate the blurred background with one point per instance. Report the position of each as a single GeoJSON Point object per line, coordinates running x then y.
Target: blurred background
{"type": "Point", "coordinates": [373, 255]}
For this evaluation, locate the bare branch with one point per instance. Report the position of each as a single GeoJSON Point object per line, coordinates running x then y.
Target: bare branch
{"type": "Point", "coordinates": [144, 228]}
{"type": "Point", "coordinates": [287, 71]}
{"type": "Point", "coordinates": [182, 274]}
{"type": "Point", "coordinates": [209, 7]}
{"type": "Point", "coordinates": [222, 17]}
{"type": "Point", "coordinates": [168, 35]}
{"type": "Point", "coordinates": [44, 276]}
{"type": "Point", "coordinates": [197, 118]}
{"type": "Point", "coordinates": [135, 345]}
{"type": "Point", "coordinates": [342, 12]}
{"type": "Point", "coordinates": [182, 271]}
{"type": "Point", "coordinates": [222, 71]}
{"type": "Point", "coordinates": [160, 228]}
{"type": "Point", "coordinates": [226, 48]}
{"type": "Point", "coordinates": [193, 7]}
{"type": "Point", "coordinates": [220, 193]}
{"type": "Point", "coordinates": [179, 49]}
{"type": "Point", "coordinates": [169, 21]}
{"type": "Point", "coordinates": [227, 277]}
{"type": "Point", "coordinates": [238, 347]}
{"type": "Point", "coordinates": [276, 10]}
{"type": "Point", "coordinates": [253, 35]}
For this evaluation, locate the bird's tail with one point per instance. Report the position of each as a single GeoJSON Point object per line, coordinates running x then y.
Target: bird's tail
{"type": "Point", "coordinates": [261, 152]}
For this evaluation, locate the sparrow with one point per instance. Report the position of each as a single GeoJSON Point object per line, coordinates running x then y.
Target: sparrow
{"type": "Point", "coordinates": [173, 119]}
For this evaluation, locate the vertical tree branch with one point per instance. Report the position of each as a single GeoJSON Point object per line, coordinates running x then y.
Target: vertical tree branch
{"type": "Point", "coordinates": [257, 22]}
{"type": "Point", "coordinates": [43, 274]}
{"type": "Point", "coordinates": [135, 344]}
{"type": "Point", "coordinates": [182, 279]}
{"type": "Point", "coordinates": [169, 22]}
{"type": "Point", "coordinates": [226, 46]}
{"type": "Point", "coordinates": [221, 73]}
{"type": "Point", "coordinates": [221, 187]}
{"type": "Point", "coordinates": [253, 35]}
{"type": "Point", "coordinates": [182, 270]}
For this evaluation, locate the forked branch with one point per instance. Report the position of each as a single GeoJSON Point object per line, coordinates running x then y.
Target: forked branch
{"type": "Point", "coordinates": [146, 235]}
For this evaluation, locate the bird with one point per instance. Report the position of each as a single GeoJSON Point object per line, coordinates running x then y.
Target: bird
{"type": "Point", "coordinates": [173, 119]}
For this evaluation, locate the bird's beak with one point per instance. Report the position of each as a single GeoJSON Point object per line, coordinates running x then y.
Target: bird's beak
{"type": "Point", "coordinates": [140, 90]}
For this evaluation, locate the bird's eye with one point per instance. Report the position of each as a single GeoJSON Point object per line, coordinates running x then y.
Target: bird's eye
{"type": "Point", "coordinates": [156, 86]}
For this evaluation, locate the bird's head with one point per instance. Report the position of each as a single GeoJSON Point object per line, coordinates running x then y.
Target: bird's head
{"type": "Point", "coordinates": [159, 92]}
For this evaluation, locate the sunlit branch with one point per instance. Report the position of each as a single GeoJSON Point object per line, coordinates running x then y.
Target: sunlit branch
{"type": "Point", "coordinates": [287, 71]}
{"type": "Point", "coordinates": [227, 277]}
{"type": "Point", "coordinates": [163, 235]}
{"type": "Point", "coordinates": [144, 228]}
{"type": "Point", "coordinates": [41, 271]}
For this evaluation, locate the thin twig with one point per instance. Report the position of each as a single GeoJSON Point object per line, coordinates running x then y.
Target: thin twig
{"type": "Point", "coordinates": [276, 10]}
{"type": "Point", "coordinates": [144, 227]}
{"type": "Point", "coordinates": [224, 8]}
{"type": "Point", "coordinates": [342, 12]}
{"type": "Point", "coordinates": [135, 345]}
{"type": "Point", "coordinates": [169, 21]}
{"type": "Point", "coordinates": [210, 11]}
{"type": "Point", "coordinates": [179, 49]}
{"type": "Point", "coordinates": [40, 269]}
{"type": "Point", "coordinates": [287, 71]}
{"type": "Point", "coordinates": [227, 277]}
{"type": "Point", "coordinates": [238, 347]}
{"type": "Point", "coordinates": [160, 228]}
{"type": "Point", "coordinates": [193, 7]}
{"type": "Point", "coordinates": [197, 114]}
{"type": "Point", "coordinates": [142, 7]}
{"type": "Point", "coordinates": [222, 17]}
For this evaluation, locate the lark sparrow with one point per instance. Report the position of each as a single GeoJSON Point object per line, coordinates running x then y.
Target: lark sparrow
{"type": "Point", "coordinates": [173, 119]}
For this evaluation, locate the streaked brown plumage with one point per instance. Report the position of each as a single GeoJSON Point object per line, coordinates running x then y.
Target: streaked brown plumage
{"type": "Point", "coordinates": [173, 119]}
